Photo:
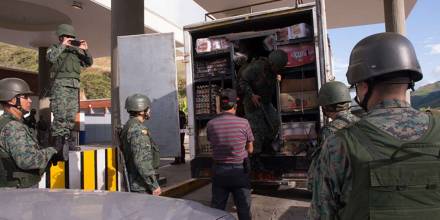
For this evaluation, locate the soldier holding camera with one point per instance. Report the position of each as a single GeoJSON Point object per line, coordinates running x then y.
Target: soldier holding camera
{"type": "Point", "coordinates": [67, 57]}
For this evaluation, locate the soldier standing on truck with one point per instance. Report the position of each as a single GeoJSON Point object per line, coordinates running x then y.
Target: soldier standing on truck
{"type": "Point", "coordinates": [258, 84]}
{"type": "Point", "coordinates": [383, 166]}
{"type": "Point", "coordinates": [67, 58]}
{"type": "Point", "coordinates": [22, 160]}
{"type": "Point", "coordinates": [140, 152]}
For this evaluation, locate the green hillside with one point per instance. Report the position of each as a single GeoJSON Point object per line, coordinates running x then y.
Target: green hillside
{"type": "Point", "coordinates": [427, 96]}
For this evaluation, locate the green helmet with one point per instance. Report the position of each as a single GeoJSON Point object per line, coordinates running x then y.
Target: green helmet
{"type": "Point", "coordinates": [137, 103]}
{"type": "Point", "coordinates": [333, 93]}
{"type": "Point", "coordinates": [11, 87]}
{"type": "Point", "coordinates": [278, 58]}
{"type": "Point", "coordinates": [383, 54]}
{"type": "Point", "coordinates": [65, 29]}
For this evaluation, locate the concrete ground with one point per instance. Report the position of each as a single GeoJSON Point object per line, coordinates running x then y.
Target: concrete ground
{"type": "Point", "coordinates": [267, 204]}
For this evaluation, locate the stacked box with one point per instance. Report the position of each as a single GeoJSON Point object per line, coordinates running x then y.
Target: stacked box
{"type": "Point", "coordinates": [298, 85]}
{"type": "Point", "coordinates": [299, 131]}
{"type": "Point", "coordinates": [204, 45]}
{"type": "Point", "coordinates": [204, 146]}
{"type": "Point", "coordinates": [206, 99]}
{"type": "Point", "coordinates": [296, 31]}
{"type": "Point", "coordinates": [299, 54]}
{"type": "Point", "coordinates": [211, 68]}
{"type": "Point", "coordinates": [298, 101]}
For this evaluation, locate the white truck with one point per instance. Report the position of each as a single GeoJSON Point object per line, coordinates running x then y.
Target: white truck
{"type": "Point", "coordinates": [216, 51]}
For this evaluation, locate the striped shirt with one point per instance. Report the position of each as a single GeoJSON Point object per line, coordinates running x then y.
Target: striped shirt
{"type": "Point", "coordinates": [228, 135]}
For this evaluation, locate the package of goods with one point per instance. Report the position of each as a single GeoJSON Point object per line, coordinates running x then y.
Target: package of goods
{"type": "Point", "coordinates": [298, 85]}
{"type": "Point", "coordinates": [211, 68]}
{"type": "Point", "coordinates": [203, 143]}
{"type": "Point", "coordinates": [300, 54]}
{"type": "Point", "coordinates": [297, 101]}
{"type": "Point", "coordinates": [206, 99]}
{"type": "Point", "coordinates": [300, 30]}
{"type": "Point", "coordinates": [299, 131]}
{"type": "Point", "coordinates": [268, 42]}
{"type": "Point", "coordinates": [204, 45]}
{"type": "Point", "coordinates": [293, 147]}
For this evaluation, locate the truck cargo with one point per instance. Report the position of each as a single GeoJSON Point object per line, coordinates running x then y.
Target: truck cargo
{"type": "Point", "coordinates": [301, 33]}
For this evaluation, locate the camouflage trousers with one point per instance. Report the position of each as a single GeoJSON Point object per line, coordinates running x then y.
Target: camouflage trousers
{"type": "Point", "coordinates": [64, 106]}
{"type": "Point", "coordinates": [265, 125]}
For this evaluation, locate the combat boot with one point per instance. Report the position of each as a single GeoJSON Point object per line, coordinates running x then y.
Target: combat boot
{"type": "Point", "coordinates": [71, 141]}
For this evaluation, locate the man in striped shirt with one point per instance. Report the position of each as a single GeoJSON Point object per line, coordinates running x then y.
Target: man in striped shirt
{"type": "Point", "coordinates": [231, 139]}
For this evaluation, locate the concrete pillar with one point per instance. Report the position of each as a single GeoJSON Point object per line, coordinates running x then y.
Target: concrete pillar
{"type": "Point", "coordinates": [44, 83]}
{"type": "Point", "coordinates": [394, 12]}
{"type": "Point", "coordinates": [127, 19]}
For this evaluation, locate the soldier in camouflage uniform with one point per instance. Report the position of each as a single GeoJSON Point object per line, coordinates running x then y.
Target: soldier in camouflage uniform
{"type": "Point", "coordinates": [67, 61]}
{"type": "Point", "coordinates": [334, 98]}
{"type": "Point", "coordinates": [385, 165]}
{"type": "Point", "coordinates": [258, 84]}
{"type": "Point", "coordinates": [140, 153]}
{"type": "Point", "coordinates": [22, 160]}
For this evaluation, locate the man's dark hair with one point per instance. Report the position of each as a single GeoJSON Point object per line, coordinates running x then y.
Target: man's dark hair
{"type": "Point", "coordinates": [228, 99]}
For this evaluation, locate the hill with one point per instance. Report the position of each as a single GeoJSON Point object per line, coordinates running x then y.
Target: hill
{"type": "Point", "coordinates": [427, 96]}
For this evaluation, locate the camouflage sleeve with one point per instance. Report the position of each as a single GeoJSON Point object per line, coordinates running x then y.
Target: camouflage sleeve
{"type": "Point", "coordinates": [332, 180]}
{"type": "Point", "coordinates": [54, 52]}
{"type": "Point", "coordinates": [86, 58]}
{"type": "Point", "coordinates": [245, 81]}
{"type": "Point", "coordinates": [23, 148]}
{"type": "Point", "coordinates": [141, 148]}
{"type": "Point", "coordinates": [324, 134]}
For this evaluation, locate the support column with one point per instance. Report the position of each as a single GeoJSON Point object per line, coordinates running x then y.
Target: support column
{"type": "Point", "coordinates": [127, 19]}
{"type": "Point", "coordinates": [44, 94]}
{"type": "Point", "coordinates": [394, 12]}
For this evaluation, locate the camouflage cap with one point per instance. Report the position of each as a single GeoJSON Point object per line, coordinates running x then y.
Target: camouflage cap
{"type": "Point", "coordinates": [137, 103]}
{"type": "Point", "coordinates": [11, 87]}
{"type": "Point", "coordinates": [278, 58]}
{"type": "Point", "coordinates": [333, 93]}
{"type": "Point", "coordinates": [65, 29]}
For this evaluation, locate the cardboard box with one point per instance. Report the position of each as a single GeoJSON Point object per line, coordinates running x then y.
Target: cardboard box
{"type": "Point", "coordinates": [204, 45]}
{"type": "Point", "coordinates": [298, 85]}
{"type": "Point", "coordinates": [300, 54]}
{"type": "Point", "coordinates": [299, 130]}
{"type": "Point", "coordinates": [296, 101]}
{"type": "Point", "coordinates": [300, 30]}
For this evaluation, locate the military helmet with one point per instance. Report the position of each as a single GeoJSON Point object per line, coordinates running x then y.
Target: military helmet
{"type": "Point", "coordinates": [332, 93]}
{"type": "Point", "coordinates": [11, 87]}
{"type": "Point", "coordinates": [65, 29]}
{"type": "Point", "coordinates": [137, 103]}
{"type": "Point", "coordinates": [278, 58]}
{"type": "Point", "coordinates": [381, 55]}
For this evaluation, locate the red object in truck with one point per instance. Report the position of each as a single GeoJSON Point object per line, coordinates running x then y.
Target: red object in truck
{"type": "Point", "coordinates": [299, 54]}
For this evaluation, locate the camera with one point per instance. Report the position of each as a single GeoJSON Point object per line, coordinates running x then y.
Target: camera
{"type": "Point", "coordinates": [75, 43]}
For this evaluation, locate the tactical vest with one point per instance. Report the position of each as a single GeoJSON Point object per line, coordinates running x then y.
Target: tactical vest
{"type": "Point", "coordinates": [68, 64]}
{"type": "Point", "coordinates": [392, 179]}
{"type": "Point", "coordinates": [10, 174]}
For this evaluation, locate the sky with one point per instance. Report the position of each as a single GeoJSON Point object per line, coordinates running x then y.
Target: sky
{"type": "Point", "coordinates": [422, 29]}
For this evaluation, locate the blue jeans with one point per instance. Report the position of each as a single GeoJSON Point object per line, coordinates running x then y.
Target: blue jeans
{"type": "Point", "coordinates": [229, 178]}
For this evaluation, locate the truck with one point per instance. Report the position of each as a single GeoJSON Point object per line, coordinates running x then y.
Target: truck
{"type": "Point", "coordinates": [215, 51]}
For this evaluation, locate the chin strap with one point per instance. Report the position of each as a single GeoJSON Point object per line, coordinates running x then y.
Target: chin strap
{"type": "Point", "coordinates": [364, 103]}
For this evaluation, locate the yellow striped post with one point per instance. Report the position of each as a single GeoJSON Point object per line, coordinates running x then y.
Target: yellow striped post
{"type": "Point", "coordinates": [111, 170]}
{"type": "Point", "coordinates": [89, 179]}
{"type": "Point", "coordinates": [57, 176]}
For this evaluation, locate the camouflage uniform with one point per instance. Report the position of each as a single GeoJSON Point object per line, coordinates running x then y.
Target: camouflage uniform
{"type": "Point", "coordinates": [22, 160]}
{"type": "Point", "coordinates": [66, 67]}
{"type": "Point", "coordinates": [259, 79]}
{"type": "Point", "coordinates": [141, 156]}
{"type": "Point", "coordinates": [342, 119]}
{"type": "Point", "coordinates": [334, 171]}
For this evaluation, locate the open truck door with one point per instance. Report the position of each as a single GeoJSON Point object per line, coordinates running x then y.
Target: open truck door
{"type": "Point", "coordinates": [146, 64]}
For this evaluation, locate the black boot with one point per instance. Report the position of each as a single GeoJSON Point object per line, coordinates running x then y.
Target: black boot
{"type": "Point", "coordinates": [71, 141]}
